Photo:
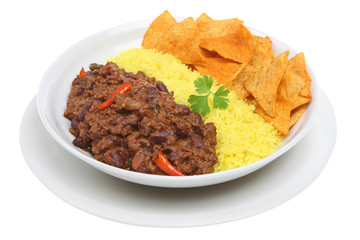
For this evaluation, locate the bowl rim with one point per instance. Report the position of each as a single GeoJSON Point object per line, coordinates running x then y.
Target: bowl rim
{"type": "Point", "coordinates": [42, 94]}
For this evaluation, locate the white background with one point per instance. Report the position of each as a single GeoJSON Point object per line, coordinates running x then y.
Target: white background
{"type": "Point", "coordinates": [34, 33]}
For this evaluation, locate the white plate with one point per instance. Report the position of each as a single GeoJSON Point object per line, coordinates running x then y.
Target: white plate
{"type": "Point", "coordinates": [55, 86]}
{"type": "Point", "coordinates": [98, 193]}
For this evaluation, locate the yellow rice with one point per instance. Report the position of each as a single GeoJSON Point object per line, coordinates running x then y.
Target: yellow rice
{"type": "Point", "coordinates": [243, 137]}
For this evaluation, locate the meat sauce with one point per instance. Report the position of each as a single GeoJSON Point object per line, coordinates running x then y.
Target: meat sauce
{"type": "Point", "coordinates": [130, 133]}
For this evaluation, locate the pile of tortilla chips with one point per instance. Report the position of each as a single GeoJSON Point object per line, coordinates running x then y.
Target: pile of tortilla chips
{"type": "Point", "coordinates": [243, 62]}
{"type": "Point", "coordinates": [213, 47]}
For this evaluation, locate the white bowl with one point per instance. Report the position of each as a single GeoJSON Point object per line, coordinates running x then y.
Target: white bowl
{"type": "Point", "coordinates": [56, 84]}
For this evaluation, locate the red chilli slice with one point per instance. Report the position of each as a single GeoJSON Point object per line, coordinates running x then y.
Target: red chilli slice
{"type": "Point", "coordinates": [164, 164]}
{"type": "Point", "coordinates": [82, 73]}
{"type": "Point", "coordinates": [124, 88]}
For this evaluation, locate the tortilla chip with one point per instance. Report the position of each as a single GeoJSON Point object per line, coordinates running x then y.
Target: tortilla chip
{"type": "Point", "coordinates": [306, 92]}
{"type": "Point", "coordinates": [221, 69]}
{"type": "Point", "coordinates": [297, 64]}
{"type": "Point", "coordinates": [182, 41]}
{"type": "Point", "coordinates": [250, 100]}
{"type": "Point", "coordinates": [297, 85]}
{"type": "Point", "coordinates": [218, 28]}
{"type": "Point", "coordinates": [208, 54]}
{"type": "Point", "coordinates": [263, 52]}
{"type": "Point", "coordinates": [158, 27]}
{"type": "Point", "coordinates": [283, 89]}
{"type": "Point", "coordinates": [264, 85]}
{"type": "Point", "coordinates": [281, 120]}
{"type": "Point", "coordinates": [226, 50]}
{"type": "Point", "coordinates": [203, 18]}
{"type": "Point", "coordinates": [237, 46]}
{"type": "Point", "coordinates": [237, 84]}
{"type": "Point", "coordinates": [296, 114]}
{"type": "Point", "coordinates": [229, 38]}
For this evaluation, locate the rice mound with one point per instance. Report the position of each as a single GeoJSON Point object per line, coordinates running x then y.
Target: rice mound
{"type": "Point", "coordinates": [243, 137]}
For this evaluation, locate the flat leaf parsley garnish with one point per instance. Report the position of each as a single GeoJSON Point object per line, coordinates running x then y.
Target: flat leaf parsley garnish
{"type": "Point", "coordinates": [200, 103]}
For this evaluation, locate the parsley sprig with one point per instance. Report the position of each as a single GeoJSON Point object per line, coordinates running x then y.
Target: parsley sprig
{"type": "Point", "coordinates": [200, 103]}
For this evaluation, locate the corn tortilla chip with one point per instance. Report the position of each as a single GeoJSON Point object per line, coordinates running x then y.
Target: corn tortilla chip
{"type": "Point", "coordinates": [237, 84]}
{"type": "Point", "coordinates": [296, 114]}
{"type": "Point", "coordinates": [281, 120]}
{"type": "Point", "coordinates": [221, 69]}
{"type": "Point", "coordinates": [306, 92]}
{"type": "Point", "coordinates": [218, 28]}
{"type": "Point", "coordinates": [264, 85]}
{"type": "Point", "coordinates": [250, 100]}
{"type": "Point", "coordinates": [182, 41]}
{"type": "Point", "coordinates": [297, 84]}
{"type": "Point", "coordinates": [237, 46]}
{"type": "Point", "coordinates": [297, 64]}
{"type": "Point", "coordinates": [226, 50]}
{"type": "Point", "coordinates": [208, 54]}
{"type": "Point", "coordinates": [157, 29]}
{"type": "Point", "coordinates": [263, 52]}
{"type": "Point", "coordinates": [203, 18]}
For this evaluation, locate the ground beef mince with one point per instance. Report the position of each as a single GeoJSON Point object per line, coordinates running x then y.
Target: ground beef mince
{"type": "Point", "coordinates": [131, 132]}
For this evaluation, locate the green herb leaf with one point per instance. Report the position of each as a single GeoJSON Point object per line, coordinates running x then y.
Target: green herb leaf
{"type": "Point", "coordinates": [199, 104]}
{"type": "Point", "coordinates": [220, 100]}
{"type": "Point", "coordinates": [203, 84]}
{"type": "Point", "coordinates": [222, 92]}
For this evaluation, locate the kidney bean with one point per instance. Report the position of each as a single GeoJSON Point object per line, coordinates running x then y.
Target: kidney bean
{"type": "Point", "coordinates": [161, 87]}
{"type": "Point", "coordinates": [81, 142]}
{"type": "Point", "coordinates": [77, 81]}
{"type": "Point", "coordinates": [115, 159]}
{"type": "Point", "coordinates": [196, 140]}
{"type": "Point", "coordinates": [84, 110]}
{"type": "Point", "coordinates": [79, 91]}
{"type": "Point", "coordinates": [75, 124]}
{"type": "Point", "coordinates": [160, 137]}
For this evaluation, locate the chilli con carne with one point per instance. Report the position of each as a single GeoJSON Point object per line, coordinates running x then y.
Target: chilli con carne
{"type": "Point", "coordinates": [132, 122]}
